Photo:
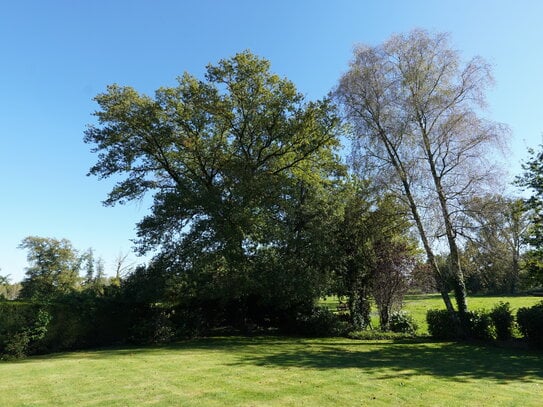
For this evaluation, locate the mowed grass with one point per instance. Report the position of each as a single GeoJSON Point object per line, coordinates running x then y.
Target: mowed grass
{"type": "Point", "coordinates": [277, 371]}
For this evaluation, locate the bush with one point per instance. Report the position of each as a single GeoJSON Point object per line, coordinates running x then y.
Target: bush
{"type": "Point", "coordinates": [442, 325]}
{"type": "Point", "coordinates": [402, 322]}
{"type": "Point", "coordinates": [530, 321]}
{"type": "Point", "coordinates": [475, 325]}
{"type": "Point", "coordinates": [503, 321]}
{"type": "Point", "coordinates": [478, 325]}
{"type": "Point", "coordinates": [153, 326]}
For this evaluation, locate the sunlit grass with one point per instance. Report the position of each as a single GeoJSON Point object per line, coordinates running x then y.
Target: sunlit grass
{"type": "Point", "coordinates": [278, 372]}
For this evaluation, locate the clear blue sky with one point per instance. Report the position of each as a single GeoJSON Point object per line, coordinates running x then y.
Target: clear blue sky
{"type": "Point", "coordinates": [56, 55]}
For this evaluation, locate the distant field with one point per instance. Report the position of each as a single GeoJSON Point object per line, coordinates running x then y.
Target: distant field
{"type": "Point", "coordinates": [417, 305]}
{"type": "Point", "coordinates": [275, 371]}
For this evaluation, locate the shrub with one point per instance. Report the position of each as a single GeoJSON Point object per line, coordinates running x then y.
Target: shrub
{"type": "Point", "coordinates": [530, 321]}
{"type": "Point", "coordinates": [16, 346]}
{"type": "Point", "coordinates": [478, 325]}
{"type": "Point", "coordinates": [475, 325]}
{"type": "Point", "coordinates": [152, 326]}
{"type": "Point", "coordinates": [503, 321]}
{"type": "Point", "coordinates": [402, 322]}
{"type": "Point", "coordinates": [442, 325]}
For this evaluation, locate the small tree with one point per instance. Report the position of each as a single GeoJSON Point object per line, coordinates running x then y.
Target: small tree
{"type": "Point", "coordinates": [393, 270]}
{"type": "Point", "coordinates": [497, 226]}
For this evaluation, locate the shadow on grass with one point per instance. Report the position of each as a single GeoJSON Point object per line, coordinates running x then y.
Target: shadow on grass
{"type": "Point", "coordinates": [461, 362]}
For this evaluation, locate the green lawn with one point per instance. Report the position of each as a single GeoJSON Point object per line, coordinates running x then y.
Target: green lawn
{"type": "Point", "coordinates": [264, 371]}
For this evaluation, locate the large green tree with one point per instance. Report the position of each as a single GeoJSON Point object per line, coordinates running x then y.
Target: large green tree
{"type": "Point", "coordinates": [236, 163]}
{"type": "Point", "coordinates": [414, 107]}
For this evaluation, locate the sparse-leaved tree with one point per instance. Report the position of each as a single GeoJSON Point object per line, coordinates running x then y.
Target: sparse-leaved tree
{"type": "Point", "coordinates": [414, 107]}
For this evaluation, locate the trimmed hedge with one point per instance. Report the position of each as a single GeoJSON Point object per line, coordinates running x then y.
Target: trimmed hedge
{"type": "Point", "coordinates": [446, 326]}
{"type": "Point", "coordinates": [442, 325]}
{"type": "Point", "coordinates": [530, 321]}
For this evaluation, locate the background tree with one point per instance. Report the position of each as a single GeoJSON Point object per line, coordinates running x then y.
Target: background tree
{"type": "Point", "coordinates": [4, 284]}
{"type": "Point", "coordinates": [532, 180]}
{"type": "Point", "coordinates": [395, 258]}
{"type": "Point", "coordinates": [236, 164]}
{"type": "Point", "coordinates": [492, 255]}
{"type": "Point", "coordinates": [53, 268]}
{"type": "Point", "coordinates": [414, 109]}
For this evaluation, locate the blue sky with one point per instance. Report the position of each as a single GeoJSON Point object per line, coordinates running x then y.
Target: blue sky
{"type": "Point", "coordinates": [57, 55]}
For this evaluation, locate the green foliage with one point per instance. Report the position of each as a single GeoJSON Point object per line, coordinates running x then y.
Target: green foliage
{"type": "Point", "coordinates": [402, 322]}
{"type": "Point", "coordinates": [530, 321]}
{"type": "Point", "coordinates": [442, 325]}
{"type": "Point", "coordinates": [374, 254]}
{"type": "Point", "coordinates": [243, 172]}
{"type": "Point", "coordinates": [478, 325]}
{"type": "Point", "coordinates": [503, 320]}
{"type": "Point", "coordinates": [155, 326]}
{"type": "Point", "coordinates": [532, 179]}
{"type": "Point", "coordinates": [492, 256]}
{"type": "Point", "coordinates": [475, 324]}
{"type": "Point", "coordinates": [22, 327]}
{"type": "Point", "coordinates": [53, 268]}
{"type": "Point", "coordinates": [377, 335]}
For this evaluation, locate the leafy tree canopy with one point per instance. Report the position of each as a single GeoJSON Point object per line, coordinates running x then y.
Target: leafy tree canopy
{"type": "Point", "coordinates": [53, 267]}
{"type": "Point", "coordinates": [235, 163]}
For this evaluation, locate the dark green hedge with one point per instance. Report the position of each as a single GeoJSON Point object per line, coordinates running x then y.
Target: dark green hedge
{"type": "Point", "coordinates": [473, 325]}
{"type": "Point", "coordinates": [530, 321]}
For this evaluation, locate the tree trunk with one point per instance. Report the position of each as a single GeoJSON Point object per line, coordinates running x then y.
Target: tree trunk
{"type": "Point", "coordinates": [456, 269]}
{"type": "Point", "coordinates": [398, 166]}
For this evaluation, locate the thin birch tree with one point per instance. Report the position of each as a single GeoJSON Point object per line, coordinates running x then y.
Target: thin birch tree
{"type": "Point", "coordinates": [415, 110]}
